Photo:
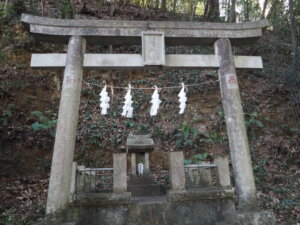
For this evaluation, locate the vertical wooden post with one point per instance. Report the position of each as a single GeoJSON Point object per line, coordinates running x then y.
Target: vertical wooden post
{"type": "Point", "coordinates": [61, 168]}
{"type": "Point", "coordinates": [236, 130]}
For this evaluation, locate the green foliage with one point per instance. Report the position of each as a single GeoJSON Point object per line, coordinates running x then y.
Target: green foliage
{"type": "Point", "coordinates": [11, 218]}
{"type": "Point", "coordinates": [186, 135]}
{"type": "Point", "coordinates": [66, 9]}
{"type": "Point", "coordinates": [252, 122]}
{"type": "Point", "coordinates": [44, 123]}
{"type": "Point", "coordinates": [2, 56]}
{"type": "Point", "coordinates": [196, 159]}
{"type": "Point", "coordinates": [7, 114]}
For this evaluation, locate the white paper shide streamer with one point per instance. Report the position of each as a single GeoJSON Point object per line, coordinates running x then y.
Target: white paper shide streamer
{"type": "Point", "coordinates": [104, 100]}
{"type": "Point", "coordinates": [155, 102]}
{"type": "Point", "coordinates": [127, 108]}
{"type": "Point", "coordinates": [182, 99]}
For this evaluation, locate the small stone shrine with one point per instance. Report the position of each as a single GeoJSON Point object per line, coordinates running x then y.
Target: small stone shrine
{"type": "Point", "coordinates": [140, 182]}
{"type": "Point", "coordinates": [139, 147]}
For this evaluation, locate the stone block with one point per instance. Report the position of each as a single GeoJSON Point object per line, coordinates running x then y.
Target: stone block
{"type": "Point", "coordinates": [147, 162]}
{"type": "Point", "coordinates": [153, 48]}
{"type": "Point", "coordinates": [250, 217]}
{"type": "Point", "coordinates": [176, 170]}
{"type": "Point", "coordinates": [103, 199]}
{"type": "Point", "coordinates": [73, 181]}
{"type": "Point", "coordinates": [223, 173]}
{"type": "Point", "coordinates": [133, 163]}
{"type": "Point", "coordinates": [199, 176]}
{"type": "Point", "coordinates": [201, 194]}
{"type": "Point", "coordinates": [120, 172]}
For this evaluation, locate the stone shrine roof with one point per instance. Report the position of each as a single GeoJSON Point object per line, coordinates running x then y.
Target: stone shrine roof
{"type": "Point", "coordinates": [139, 143]}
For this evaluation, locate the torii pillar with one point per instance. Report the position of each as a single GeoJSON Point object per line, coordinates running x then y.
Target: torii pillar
{"type": "Point", "coordinates": [236, 129]}
{"type": "Point", "coordinates": [65, 137]}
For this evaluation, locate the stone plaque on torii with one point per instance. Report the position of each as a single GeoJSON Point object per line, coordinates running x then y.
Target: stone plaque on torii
{"type": "Point", "coordinates": [153, 36]}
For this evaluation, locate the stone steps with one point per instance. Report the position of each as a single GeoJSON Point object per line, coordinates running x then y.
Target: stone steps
{"type": "Point", "coordinates": [143, 186]}
{"type": "Point", "coordinates": [144, 190]}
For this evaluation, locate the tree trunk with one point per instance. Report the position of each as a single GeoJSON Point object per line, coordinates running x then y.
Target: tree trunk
{"type": "Point", "coordinates": [18, 6]}
{"type": "Point", "coordinates": [247, 10]}
{"type": "Point", "coordinates": [293, 32]}
{"type": "Point", "coordinates": [276, 20]}
{"type": "Point", "coordinates": [157, 4]}
{"type": "Point", "coordinates": [264, 9]}
{"type": "Point", "coordinates": [191, 10]}
{"type": "Point", "coordinates": [217, 10]}
{"type": "Point", "coordinates": [205, 8]}
{"type": "Point", "coordinates": [43, 7]}
{"type": "Point", "coordinates": [113, 7]}
{"type": "Point", "coordinates": [213, 12]}
{"type": "Point", "coordinates": [164, 5]}
{"type": "Point", "coordinates": [232, 12]}
{"type": "Point", "coordinates": [6, 4]}
{"type": "Point", "coordinates": [174, 6]}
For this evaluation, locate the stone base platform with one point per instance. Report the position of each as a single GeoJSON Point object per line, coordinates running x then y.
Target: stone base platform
{"type": "Point", "coordinates": [204, 206]}
{"type": "Point", "coordinates": [237, 217]}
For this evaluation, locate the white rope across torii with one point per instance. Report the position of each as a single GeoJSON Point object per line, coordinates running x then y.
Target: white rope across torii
{"type": "Point", "coordinates": [128, 109]}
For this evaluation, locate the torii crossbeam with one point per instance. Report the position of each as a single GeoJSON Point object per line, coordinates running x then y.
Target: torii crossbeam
{"type": "Point", "coordinates": [153, 36]}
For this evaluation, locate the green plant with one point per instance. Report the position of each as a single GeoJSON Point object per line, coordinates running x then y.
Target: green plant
{"type": "Point", "coordinates": [66, 9]}
{"type": "Point", "coordinates": [44, 123]}
{"type": "Point", "coordinates": [186, 136]}
{"type": "Point", "coordinates": [196, 159]}
{"type": "Point", "coordinates": [2, 56]}
{"type": "Point", "coordinates": [10, 217]}
{"type": "Point", "coordinates": [252, 122]}
{"type": "Point", "coordinates": [7, 114]}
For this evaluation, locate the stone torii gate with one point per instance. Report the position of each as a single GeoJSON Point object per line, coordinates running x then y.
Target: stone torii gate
{"type": "Point", "coordinates": [153, 36]}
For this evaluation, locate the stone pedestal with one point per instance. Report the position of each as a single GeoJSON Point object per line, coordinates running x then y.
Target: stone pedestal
{"type": "Point", "coordinates": [120, 172]}
{"type": "Point", "coordinates": [249, 218]}
{"type": "Point", "coordinates": [223, 173]}
{"type": "Point", "coordinates": [198, 175]}
{"type": "Point", "coordinates": [176, 171]}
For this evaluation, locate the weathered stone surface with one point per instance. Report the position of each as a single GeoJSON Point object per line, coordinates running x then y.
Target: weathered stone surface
{"type": "Point", "coordinates": [133, 163]}
{"type": "Point", "coordinates": [250, 217]}
{"type": "Point", "coordinates": [101, 199]}
{"type": "Point", "coordinates": [200, 193]}
{"type": "Point", "coordinates": [198, 176]}
{"type": "Point", "coordinates": [73, 181]}
{"type": "Point", "coordinates": [120, 172]}
{"type": "Point", "coordinates": [205, 212]}
{"type": "Point", "coordinates": [236, 130]}
{"type": "Point", "coordinates": [147, 162]}
{"type": "Point", "coordinates": [61, 168]}
{"type": "Point", "coordinates": [176, 170]}
{"type": "Point", "coordinates": [129, 32]}
{"type": "Point", "coordinates": [139, 143]}
{"type": "Point", "coordinates": [223, 173]}
{"type": "Point", "coordinates": [135, 61]}
{"type": "Point", "coordinates": [153, 48]}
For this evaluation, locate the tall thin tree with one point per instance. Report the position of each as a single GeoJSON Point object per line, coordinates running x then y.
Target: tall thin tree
{"type": "Point", "coordinates": [293, 28]}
